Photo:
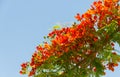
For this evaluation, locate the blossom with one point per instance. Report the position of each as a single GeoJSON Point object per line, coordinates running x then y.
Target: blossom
{"type": "Point", "coordinates": [78, 17]}
{"type": "Point", "coordinates": [80, 38]}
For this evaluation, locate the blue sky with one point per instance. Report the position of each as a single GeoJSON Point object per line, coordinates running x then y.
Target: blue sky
{"type": "Point", "coordinates": [23, 23]}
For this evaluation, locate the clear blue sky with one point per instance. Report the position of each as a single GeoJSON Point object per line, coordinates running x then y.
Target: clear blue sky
{"type": "Point", "coordinates": [23, 23]}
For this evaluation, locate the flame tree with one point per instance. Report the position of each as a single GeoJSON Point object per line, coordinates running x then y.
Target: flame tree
{"type": "Point", "coordinates": [85, 49]}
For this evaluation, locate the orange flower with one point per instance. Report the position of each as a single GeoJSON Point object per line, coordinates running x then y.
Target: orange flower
{"type": "Point", "coordinates": [78, 17]}
{"type": "Point", "coordinates": [111, 66]}
{"type": "Point", "coordinates": [90, 11]}
{"type": "Point", "coordinates": [32, 72]}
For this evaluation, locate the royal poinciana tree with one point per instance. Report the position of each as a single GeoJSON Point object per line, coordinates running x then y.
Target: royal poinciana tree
{"type": "Point", "coordinates": [85, 49]}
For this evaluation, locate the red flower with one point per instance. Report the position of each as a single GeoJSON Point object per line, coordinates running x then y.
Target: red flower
{"type": "Point", "coordinates": [24, 65]}
{"type": "Point", "coordinates": [95, 39]}
{"type": "Point", "coordinates": [112, 44]}
{"type": "Point", "coordinates": [21, 72]}
{"type": "Point", "coordinates": [94, 69]}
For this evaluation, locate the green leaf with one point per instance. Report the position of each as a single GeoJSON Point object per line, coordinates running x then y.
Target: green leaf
{"type": "Point", "coordinates": [116, 38]}
{"type": "Point", "coordinates": [56, 27]}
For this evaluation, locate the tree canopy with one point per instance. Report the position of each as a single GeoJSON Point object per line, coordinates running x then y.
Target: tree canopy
{"type": "Point", "coordinates": [85, 49]}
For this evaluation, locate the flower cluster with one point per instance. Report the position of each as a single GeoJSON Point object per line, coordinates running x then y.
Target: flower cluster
{"type": "Point", "coordinates": [84, 37]}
